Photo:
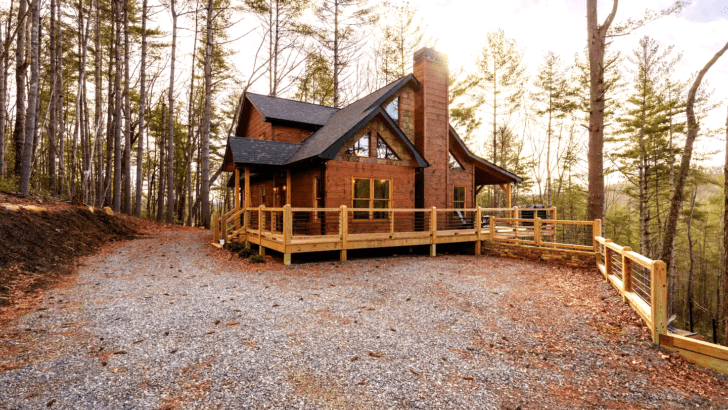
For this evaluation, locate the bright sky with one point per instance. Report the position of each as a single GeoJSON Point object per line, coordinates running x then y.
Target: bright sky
{"type": "Point", "coordinates": [539, 26]}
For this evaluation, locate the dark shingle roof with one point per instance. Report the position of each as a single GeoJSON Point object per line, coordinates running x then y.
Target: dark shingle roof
{"type": "Point", "coordinates": [252, 151]}
{"type": "Point", "coordinates": [491, 168]}
{"type": "Point", "coordinates": [280, 109]}
{"type": "Point", "coordinates": [327, 141]}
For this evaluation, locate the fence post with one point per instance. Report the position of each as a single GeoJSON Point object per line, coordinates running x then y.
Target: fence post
{"type": "Point", "coordinates": [223, 228]}
{"type": "Point", "coordinates": [287, 228]}
{"type": "Point", "coordinates": [433, 231]}
{"type": "Point", "coordinates": [478, 230]}
{"type": "Point", "coordinates": [537, 231]}
{"type": "Point", "coordinates": [556, 214]}
{"type": "Point", "coordinates": [343, 230]}
{"type": "Point", "coordinates": [491, 231]}
{"type": "Point", "coordinates": [261, 249]}
{"type": "Point", "coordinates": [596, 231]}
{"type": "Point", "coordinates": [215, 228]}
{"type": "Point", "coordinates": [626, 273]}
{"type": "Point", "coordinates": [658, 295]}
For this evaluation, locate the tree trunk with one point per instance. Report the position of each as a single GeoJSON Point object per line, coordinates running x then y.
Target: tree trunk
{"type": "Point", "coordinates": [52, 187]}
{"type": "Point", "coordinates": [693, 128]}
{"type": "Point", "coordinates": [3, 92]}
{"type": "Point", "coordinates": [142, 102]}
{"type": "Point", "coordinates": [691, 271]}
{"type": "Point", "coordinates": [170, 151]}
{"type": "Point", "coordinates": [162, 164]}
{"type": "Point", "coordinates": [205, 142]}
{"type": "Point", "coordinates": [31, 122]}
{"type": "Point", "coordinates": [596, 44]}
{"type": "Point", "coordinates": [117, 109]}
{"type": "Point", "coordinates": [190, 116]}
{"type": "Point", "coordinates": [98, 109]}
{"type": "Point", "coordinates": [21, 69]}
{"type": "Point", "coordinates": [127, 116]}
{"type": "Point", "coordinates": [337, 99]}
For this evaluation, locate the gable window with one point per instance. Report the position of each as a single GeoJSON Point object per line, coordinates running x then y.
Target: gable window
{"type": "Point", "coordinates": [458, 197]}
{"type": "Point", "coordinates": [383, 150]}
{"type": "Point", "coordinates": [262, 195]}
{"type": "Point", "coordinates": [360, 147]}
{"type": "Point", "coordinates": [371, 194]}
{"type": "Point", "coordinates": [393, 109]}
{"type": "Point", "coordinates": [454, 163]}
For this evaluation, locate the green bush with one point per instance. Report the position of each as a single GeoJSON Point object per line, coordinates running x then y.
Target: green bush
{"type": "Point", "coordinates": [245, 252]}
{"type": "Point", "coordinates": [256, 259]}
{"type": "Point", "coordinates": [234, 247]}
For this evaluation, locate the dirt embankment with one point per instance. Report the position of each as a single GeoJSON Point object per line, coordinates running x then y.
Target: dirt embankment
{"type": "Point", "coordinates": [38, 247]}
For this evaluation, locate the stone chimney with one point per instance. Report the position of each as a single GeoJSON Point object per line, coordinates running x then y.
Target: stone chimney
{"type": "Point", "coordinates": [432, 127]}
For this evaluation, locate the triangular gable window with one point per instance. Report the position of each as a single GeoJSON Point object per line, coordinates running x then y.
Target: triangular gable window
{"type": "Point", "coordinates": [383, 150]}
{"type": "Point", "coordinates": [360, 148]}
{"type": "Point", "coordinates": [393, 109]}
{"type": "Point", "coordinates": [454, 163]}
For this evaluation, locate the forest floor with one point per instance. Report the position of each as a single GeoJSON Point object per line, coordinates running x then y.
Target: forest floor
{"type": "Point", "coordinates": [168, 321]}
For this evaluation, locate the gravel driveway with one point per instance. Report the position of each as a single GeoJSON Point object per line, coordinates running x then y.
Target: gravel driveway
{"type": "Point", "coordinates": [167, 321]}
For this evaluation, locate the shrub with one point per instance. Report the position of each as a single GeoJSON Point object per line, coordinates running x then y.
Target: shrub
{"type": "Point", "coordinates": [245, 252]}
{"type": "Point", "coordinates": [234, 247]}
{"type": "Point", "coordinates": [256, 259]}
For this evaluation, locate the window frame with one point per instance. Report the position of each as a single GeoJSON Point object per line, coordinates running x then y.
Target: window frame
{"type": "Point", "coordinates": [386, 109]}
{"type": "Point", "coordinates": [368, 135]}
{"type": "Point", "coordinates": [371, 199]}
{"type": "Point", "coordinates": [387, 147]}
{"type": "Point", "coordinates": [465, 197]}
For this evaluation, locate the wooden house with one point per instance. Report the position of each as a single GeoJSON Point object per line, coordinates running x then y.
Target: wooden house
{"type": "Point", "coordinates": [391, 149]}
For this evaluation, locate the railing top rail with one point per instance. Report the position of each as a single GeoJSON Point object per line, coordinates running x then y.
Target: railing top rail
{"type": "Point", "coordinates": [613, 246]}
{"type": "Point", "coordinates": [640, 259]}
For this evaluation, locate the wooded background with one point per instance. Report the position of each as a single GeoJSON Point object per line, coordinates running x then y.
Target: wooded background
{"type": "Point", "coordinates": [99, 105]}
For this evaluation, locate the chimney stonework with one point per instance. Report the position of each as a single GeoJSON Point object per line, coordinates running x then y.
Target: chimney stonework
{"type": "Point", "coordinates": [432, 127]}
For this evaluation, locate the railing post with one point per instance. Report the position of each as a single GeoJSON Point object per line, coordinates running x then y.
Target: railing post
{"type": "Point", "coordinates": [223, 228]}
{"type": "Point", "coordinates": [556, 218]}
{"type": "Point", "coordinates": [391, 221]}
{"type": "Point", "coordinates": [658, 295]}
{"type": "Point", "coordinates": [596, 231]}
{"type": "Point", "coordinates": [491, 231]}
{"type": "Point", "coordinates": [343, 230]}
{"type": "Point", "coordinates": [215, 228]}
{"type": "Point", "coordinates": [433, 231]}
{"type": "Point", "coordinates": [287, 228]}
{"type": "Point", "coordinates": [478, 230]}
{"type": "Point", "coordinates": [626, 273]}
{"type": "Point", "coordinates": [537, 231]}
{"type": "Point", "coordinates": [516, 215]}
{"type": "Point", "coordinates": [261, 249]}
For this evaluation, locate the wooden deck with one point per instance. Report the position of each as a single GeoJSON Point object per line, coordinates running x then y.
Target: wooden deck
{"type": "Point", "coordinates": [298, 230]}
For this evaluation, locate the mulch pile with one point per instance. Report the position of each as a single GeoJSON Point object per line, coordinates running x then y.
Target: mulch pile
{"type": "Point", "coordinates": [38, 247]}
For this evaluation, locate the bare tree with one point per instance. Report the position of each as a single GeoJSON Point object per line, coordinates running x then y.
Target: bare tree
{"type": "Point", "coordinates": [725, 232]}
{"type": "Point", "coordinates": [170, 150]}
{"type": "Point", "coordinates": [693, 128]}
{"type": "Point", "coordinates": [21, 69]}
{"type": "Point", "coordinates": [142, 107]}
{"type": "Point", "coordinates": [127, 116]}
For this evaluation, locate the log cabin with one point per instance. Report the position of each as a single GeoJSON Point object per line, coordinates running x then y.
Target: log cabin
{"type": "Point", "coordinates": [393, 148]}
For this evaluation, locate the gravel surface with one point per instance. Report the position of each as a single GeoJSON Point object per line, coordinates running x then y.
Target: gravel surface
{"type": "Point", "coordinates": [168, 321]}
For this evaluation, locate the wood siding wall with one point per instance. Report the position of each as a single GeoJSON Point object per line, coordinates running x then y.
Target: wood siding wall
{"type": "Point", "coordinates": [339, 175]}
{"type": "Point", "coordinates": [255, 126]}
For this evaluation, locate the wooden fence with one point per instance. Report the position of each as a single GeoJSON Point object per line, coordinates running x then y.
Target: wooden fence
{"type": "Point", "coordinates": [642, 282]}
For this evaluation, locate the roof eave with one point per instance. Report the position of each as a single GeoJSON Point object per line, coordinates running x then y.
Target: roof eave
{"type": "Point", "coordinates": [515, 178]}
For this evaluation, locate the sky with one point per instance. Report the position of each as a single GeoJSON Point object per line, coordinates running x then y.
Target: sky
{"type": "Point", "coordinates": [539, 26]}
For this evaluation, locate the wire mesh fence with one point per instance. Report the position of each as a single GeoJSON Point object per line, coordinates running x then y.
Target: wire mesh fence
{"type": "Point", "coordinates": [568, 233]}
{"type": "Point", "coordinates": [460, 219]}
{"type": "Point", "coordinates": [316, 222]}
{"type": "Point", "coordinates": [642, 282]}
{"type": "Point", "coordinates": [615, 259]}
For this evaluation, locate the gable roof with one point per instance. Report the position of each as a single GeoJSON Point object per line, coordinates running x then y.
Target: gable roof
{"type": "Point", "coordinates": [249, 151]}
{"type": "Point", "coordinates": [343, 124]}
{"type": "Point", "coordinates": [485, 171]}
{"type": "Point", "coordinates": [275, 109]}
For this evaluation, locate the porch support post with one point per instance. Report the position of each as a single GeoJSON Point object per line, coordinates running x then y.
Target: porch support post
{"type": "Point", "coordinates": [237, 188]}
{"type": "Point", "coordinates": [287, 233]}
{"type": "Point", "coordinates": [246, 203]}
{"type": "Point", "coordinates": [261, 248]}
{"type": "Point", "coordinates": [478, 230]}
{"type": "Point", "coordinates": [433, 231]}
{"type": "Point", "coordinates": [288, 186]}
{"type": "Point", "coordinates": [343, 230]}
{"type": "Point", "coordinates": [508, 194]}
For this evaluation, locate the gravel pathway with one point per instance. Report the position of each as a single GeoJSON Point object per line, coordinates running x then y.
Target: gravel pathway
{"type": "Point", "coordinates": [169, 322]}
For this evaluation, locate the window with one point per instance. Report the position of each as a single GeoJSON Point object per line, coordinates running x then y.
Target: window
{"type": "Point", "coordinates": [458, 197]}
{"type": "Point", "coordinates": [317, 193]}
{"type": "Point", "coordinates": [393, 109]}
{"type": "Point", "coordinates": [371, 194]}
{"type": "Point", "coordinates": [262, 195]}
{"type": "Point", "coordinates": [360, 148]}
{"type": "Point", "coordinates": [383, 150]}
{"type": "Point", "coordinates": [454, 163]}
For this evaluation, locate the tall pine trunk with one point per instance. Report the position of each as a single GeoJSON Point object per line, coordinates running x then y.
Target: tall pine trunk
{"type": "Point", "coordinates": [142, 102]}
{"type": "Point", "coordinates": [127, 116]}
{"type": "Point", "coordinates": [117, 109]}
{"type": "Point", "coordinates": [31, 121]}
{"type": "Point", "coordinates": [725, 234]}
{"type": "Point", "coordinates": [170, 151]}
{"type": "Point", "coordinates": [98, 109]}
{"type": "Point", "coordinates": [21, 69]}
{"type": "Point", "coordinates": [162, 165]}
{"type": "Point", "coordinates": [3, 90]}
{"type": "Point", "coordinates": [51, 105]}
{"type": "Point", "coordinates": [596, 43]}
{"type": "Point", "coordinates": [205, 142]}
{"type": "Point", "coordinates": [189, 152]}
